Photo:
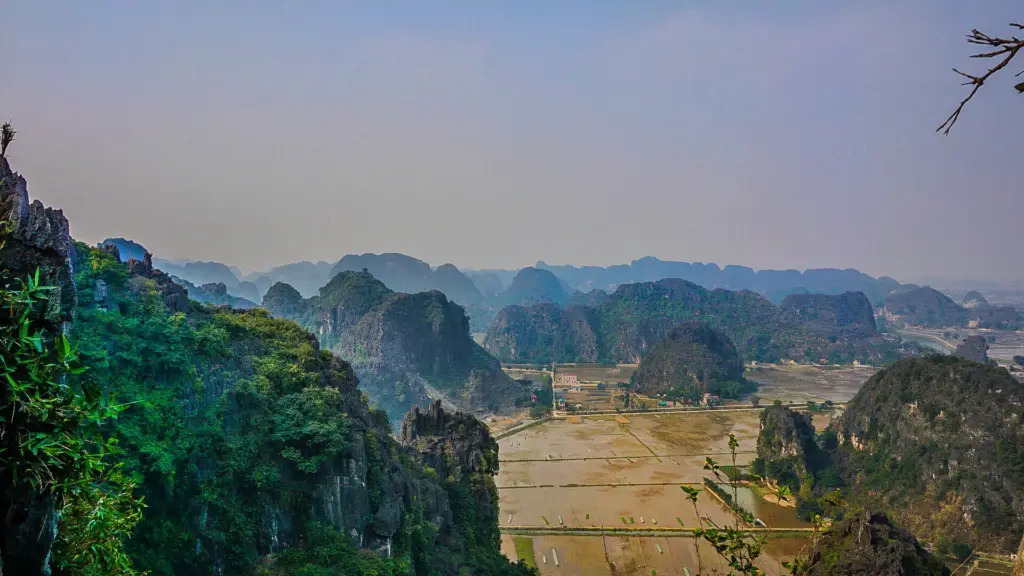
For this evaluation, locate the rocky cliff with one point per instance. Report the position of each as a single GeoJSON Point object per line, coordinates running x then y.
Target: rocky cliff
{"type": "Point", "coordinates": [973, 299]}
{"type": "Point", "coordinates": [940, 442]}
{"type": "Point", "coordinates": [691, 360]}
{"type": "Point", "coordinates": [787, 449]}
{"type": "Point", "coordinates": [254, 449]}
{"type": "Point", "coordinates": [865, 543]}
{"type": "Point", "coordinates": [924, 306]}
{"type": "Point", "coordinates": [973, 348]}
{"type": "Point", "coordinates": [543, 333]}
{"type": "Point", "coordinates": [34, 240]}
{"type": "Point", "coordinates": [836, 315]}
{"type": "Point", "coordinates": [404, 347]}
{"type": "Point", "coordinates": [534, 286]}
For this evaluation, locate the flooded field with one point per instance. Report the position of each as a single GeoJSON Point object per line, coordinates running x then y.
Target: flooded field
{"type": "Point", "coordinates": [798, 384]}
{"type": "Point", "coordinates": [638, 556]}
{"type": "Point", "coordinates": [625, 472]}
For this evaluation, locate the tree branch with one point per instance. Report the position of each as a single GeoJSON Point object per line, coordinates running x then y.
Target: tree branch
{"type": "Point", "coordinates": [1007, 48]}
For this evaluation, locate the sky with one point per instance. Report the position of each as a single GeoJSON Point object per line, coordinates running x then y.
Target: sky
{"type": "Point", "coordinates": [788, 134]}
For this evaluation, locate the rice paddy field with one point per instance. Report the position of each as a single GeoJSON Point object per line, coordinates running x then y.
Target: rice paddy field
{"type": "Point", "coordinates": [613, 482]}
{"type": "Point", "coordinates": [624, 472]}
{"type": "Point", "coordinates": [800, 383]}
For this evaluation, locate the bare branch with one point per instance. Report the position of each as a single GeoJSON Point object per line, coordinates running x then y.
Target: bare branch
{"type": "Point", "coordinates": [1007, 48]}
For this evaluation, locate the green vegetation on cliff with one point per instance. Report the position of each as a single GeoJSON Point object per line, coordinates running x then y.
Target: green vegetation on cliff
{"type": "Point", "coordinates": [936, 442]}
{"type": "Point", "coordinates": [864, 543]}
{"type": "Point", "coordinates": [251, 444]}
{"type": "Point", "coordinates": [693, 359]}
{"type": "Point", "coordinates": [400, 344]}
{"type": "Point", "coordinates": [940, 440]}
{"type": "Point", "coordinates": [621, 327]}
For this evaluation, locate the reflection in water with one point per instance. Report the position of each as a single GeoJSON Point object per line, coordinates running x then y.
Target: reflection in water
{"type": "Point", "coordinates": [773, 515]}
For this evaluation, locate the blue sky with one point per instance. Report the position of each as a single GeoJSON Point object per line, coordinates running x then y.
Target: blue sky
{"type": "Point", "coordinates": [769, 134]}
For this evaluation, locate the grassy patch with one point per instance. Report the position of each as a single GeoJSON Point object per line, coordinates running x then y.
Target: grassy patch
{"type": "Point", "coordinates": [524, 550]}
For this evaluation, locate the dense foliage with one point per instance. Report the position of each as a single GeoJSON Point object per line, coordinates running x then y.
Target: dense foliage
{"type": "Point", "coordinates": [926, 306]}
{"type": "Point", "coordinates": [692, 360]}
{"type": "Point", "coordinates": [937, 441]}
{"type": "Point", "coordinates": [251, 444]}
{"type": "Point", "coordinates": [940, 441]}
{"type": "Point", "coordinates": [621, 327]}
{"type": "Point", "coordinates": [400, 344]}
{"type": "Point", "coordinates": [52, 452]}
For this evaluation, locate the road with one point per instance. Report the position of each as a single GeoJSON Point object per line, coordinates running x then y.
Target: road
{"type": "Point", "coordinates": [435, 394]}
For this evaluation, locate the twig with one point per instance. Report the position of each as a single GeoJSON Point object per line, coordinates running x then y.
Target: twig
{"type": "Point", "coordinates": [1005, 47]}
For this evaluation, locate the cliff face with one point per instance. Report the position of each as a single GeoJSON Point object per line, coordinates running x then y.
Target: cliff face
{"type": "Point", "coordinates": [940, 441]}
{"type": "Point", "coordinates": [405, 348]}
{"type": "Point", "coordinates": [35, 240]}
{"type": "Point", "coordinates": [249, 442]}
{"type": "Point", "coordinates": [626, 323]}
{"type": "Point", "coordinates": [691, 360]}
{"type": "Point", "coordinates": [865, 543]}
{"type": "Point", "coordinates": [787, 452]}
{"type": "Point", "coordinates": [248, 436]}
{"type": "Point", "coordinates": [542, 333]}
{"type": "Point", "coordinates": [925, 306]}
{"type": "Point", "coordinates": [973, 348]}
{"type": "Point", "coordinates": [534, 286]}
{"type": "Point", "coordinates": [846, 314]}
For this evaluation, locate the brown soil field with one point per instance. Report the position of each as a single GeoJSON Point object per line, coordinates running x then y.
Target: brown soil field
{"type": "Point", "coordinates": [597, 372]}
{"type": "Point", "coordinates": [607, 505]}
{"type": "Point", "coordinates": [798, 384]}
{"type": "Point", "coordinates": [602, 471]}
{"type": "Point", "coordinates": [628, 469]}
{"type": "Point", "coordinates": [637, 556]}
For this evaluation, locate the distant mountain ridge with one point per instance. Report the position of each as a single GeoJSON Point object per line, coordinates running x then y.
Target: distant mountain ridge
{"type": "Point", "coordinates": [926, 306]}
{"type": "Point", "coordinates": [624, 325]}
{"type": "Point", "coordinates": [772, 284]}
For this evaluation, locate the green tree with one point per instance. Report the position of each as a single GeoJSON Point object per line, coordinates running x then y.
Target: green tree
{"type": "Point", "coordinates": [51, 440]}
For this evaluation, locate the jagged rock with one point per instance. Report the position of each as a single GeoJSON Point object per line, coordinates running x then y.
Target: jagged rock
{"type": "Point", "coordinates": [283, 300]}
{"type": "Point", "coordinates": [973, 348]}
{"type": "Point", "coordinates": [438, 434]}
{"type": "Point", "coordinates": [174, 296]}
{"type": "Point", "coordinates": [865, 543]}
{"type": "Point", "coordinates": [124, 249]}
{"type": "Point", "coordinates": [36, 241]}
{"type": "Point", "coordinates": [215, 289]}
{"type": "Point", "coordinates": [786, 447]}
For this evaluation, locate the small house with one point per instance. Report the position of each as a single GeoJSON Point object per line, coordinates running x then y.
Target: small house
{"type": "Point", "coordinates": [710, 400]}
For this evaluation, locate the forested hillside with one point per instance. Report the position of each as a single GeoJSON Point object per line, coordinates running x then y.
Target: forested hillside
{"type": "Point", "coordinates": [622, 326]}
{"type": "Point", "coordinates": [250, 446]}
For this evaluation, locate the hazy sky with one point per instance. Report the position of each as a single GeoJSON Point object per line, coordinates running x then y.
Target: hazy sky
{"type": "Point", "coordinates": [487, 134]}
